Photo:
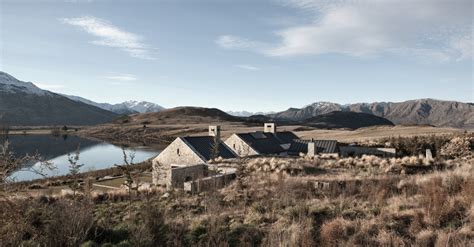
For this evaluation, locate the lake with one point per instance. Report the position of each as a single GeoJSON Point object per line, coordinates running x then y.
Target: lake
{"type": "Point", "coordinates": [95, 155]}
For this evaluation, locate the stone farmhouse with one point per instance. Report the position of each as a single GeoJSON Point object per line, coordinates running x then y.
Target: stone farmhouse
{"type": "Point", "coordinates": [268, 142]}
{"type": "Point", "coordinates": [185, 162]}
{"type": "Point", "coordinates": [190, 152]}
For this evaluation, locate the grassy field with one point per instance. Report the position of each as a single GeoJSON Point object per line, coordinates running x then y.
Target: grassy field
{"type": "Point", "coordinates": [166, 133]}
{"type": "Point", "coordinates": [374, 133]}
{"type": "Point", "coordinates": [274, 201]}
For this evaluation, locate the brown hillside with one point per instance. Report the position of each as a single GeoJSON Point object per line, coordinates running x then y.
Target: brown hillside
{"type": "Point", "coordinates": [180, 115]}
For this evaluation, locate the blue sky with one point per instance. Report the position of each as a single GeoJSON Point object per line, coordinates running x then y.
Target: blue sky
{"type": "Point", "coordinates": [264, 55]}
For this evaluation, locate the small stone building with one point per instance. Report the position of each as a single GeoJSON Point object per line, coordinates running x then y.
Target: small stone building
{"type": "Point", "coordinates": [268, 142]}
{"type": "Point", "coordinates": [189, 151]}
{"type": "Point", "coordinates": [210, 183]}
{"type": "Point", "coordinates": [178, 176]}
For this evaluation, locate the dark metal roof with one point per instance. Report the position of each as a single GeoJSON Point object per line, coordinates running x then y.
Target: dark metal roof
{"type": "Point", "coordinates": [268, 143]}
{"type": "Point", "coordinates": [204, 144]}
{"type": "Point", "coordinates": [286, 137]}
{"type": "Point", "coordinates": [322, 146]}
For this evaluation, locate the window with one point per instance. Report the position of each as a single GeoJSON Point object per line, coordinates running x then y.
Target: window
{"type": "Point", "coordinates": [177, 151]}
{"type": "Point", "coordinates": [234, 146]}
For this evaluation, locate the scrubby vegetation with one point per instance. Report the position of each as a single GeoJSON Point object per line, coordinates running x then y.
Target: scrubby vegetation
{"type": "Point", "coordinates": [366, 201]}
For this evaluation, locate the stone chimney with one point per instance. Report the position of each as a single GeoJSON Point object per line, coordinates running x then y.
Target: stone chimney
{"type": "Point", "coordinates": [215, 130]}
{"type": "Point", "coordinates": [312, 150]}
{"type": "Point", "coordinates": [270, 128]}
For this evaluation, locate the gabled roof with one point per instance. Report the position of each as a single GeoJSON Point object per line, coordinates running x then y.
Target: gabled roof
{"type": "Point", "coordinates": [286, 137]}
{"type": "Point", "coordinates": [204, 145]}
{"type": "Point", "coordinates": [267, 143]}
{"type": "Point", "coordinates": [322, 146]}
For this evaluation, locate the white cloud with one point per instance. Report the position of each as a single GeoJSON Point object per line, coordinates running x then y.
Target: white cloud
{"type": "Point", "coordinates": [435, 29]}
{"type": "Point", "coordinates": [465, 46]}
{"type": "Point", "coordinates": [247, 67]}
{"type": "Point", "coordinates": [49, 86]}
{"type": "Point", "coordinates": [122, 77]}
{"type": "Point", "coordinates": [237, 43]}
{"type": "Point", "coordinates": [112, 36]}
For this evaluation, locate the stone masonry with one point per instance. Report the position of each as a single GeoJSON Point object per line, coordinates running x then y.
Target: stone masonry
{"type": "Point", "coordinates": [177, 154]}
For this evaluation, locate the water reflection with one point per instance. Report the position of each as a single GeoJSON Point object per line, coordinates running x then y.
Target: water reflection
{"type": "Point", "coordinates": [93, 154]}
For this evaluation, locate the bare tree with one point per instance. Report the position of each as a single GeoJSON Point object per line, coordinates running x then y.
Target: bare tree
{"type": "Point", "coordinates": [10, 163]}
{"type": "Point", "coordinates": [74, 170]}
{"type": "Point", "coordinates": [131, 182]}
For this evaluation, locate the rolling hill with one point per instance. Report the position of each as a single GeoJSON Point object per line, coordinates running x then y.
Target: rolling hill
{"type": "Point", "coordinates": [346, 120]}
{"type": "Point", "coordinates": [182, 115]}
{"type": "Point", "coordinates": [24, 104]}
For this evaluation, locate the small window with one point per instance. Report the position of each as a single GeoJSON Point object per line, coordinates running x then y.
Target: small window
{"type": "Point", "coordinates": [234, 145]}
{"type": "Point", "coordinates": [177, 151]}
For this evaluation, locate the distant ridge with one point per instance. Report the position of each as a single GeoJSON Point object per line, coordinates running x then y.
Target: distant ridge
{"type": "Point", "coordinates": [346, 120]}
{"type": "Point", "coordinates": [184, 114]}
{"type": "Point", "coordinates": [24, 104]}
{"type": "Point", "coordinates": [412, 112]}
{"type": "Point", "coordinates": [127, 107]}
{"type": "Point", "coordinates": [247, 113]}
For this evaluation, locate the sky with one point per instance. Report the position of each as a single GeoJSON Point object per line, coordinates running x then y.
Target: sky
{"type": "Point", "coordinates": [253, 55]}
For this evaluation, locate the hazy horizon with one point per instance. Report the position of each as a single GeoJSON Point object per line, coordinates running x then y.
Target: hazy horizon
{"type": "Point", "coordinates": [242, 55]}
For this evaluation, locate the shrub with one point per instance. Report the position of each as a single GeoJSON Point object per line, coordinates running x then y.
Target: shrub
{"type": "Point", "coordinates": [244, 235]}
{"type": "Point", "coordinates": [336, 232]}
{"type": "Point", "coordinates": [426, 238]}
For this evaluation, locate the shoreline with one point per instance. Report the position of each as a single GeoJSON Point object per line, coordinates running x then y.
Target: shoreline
{"type": "Point", "coordinates": [112, 172]}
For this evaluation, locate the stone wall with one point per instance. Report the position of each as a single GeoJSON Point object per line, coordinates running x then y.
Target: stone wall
{"type": "Point", "coordinates": [178, 154]}
{"type": "Point", "coordinates": [239, 147]}
{"type": "Point", "coordinates": [211, 183]}
{"type": "Point", "coordinates": [347, 151]}
{"type": "Point", "coordinates": [179, 175]}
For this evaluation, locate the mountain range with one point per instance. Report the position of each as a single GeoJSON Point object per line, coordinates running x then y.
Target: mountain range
{"type": "Point", "coordinates": [412, 112]}
{"type": "Point", "coordinates": [125, 108]}
{"type": "Point", "coordinates": [247, 113]}
{"type": "Point", "coordinates": [24, 104]}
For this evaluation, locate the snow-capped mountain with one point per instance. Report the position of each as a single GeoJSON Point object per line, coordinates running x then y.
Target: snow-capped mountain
{"type": "Point", "coordinates": [138, 106]}
{"type": "Point", "coordinates": [127, 107]}
{"type": "Point", "coordinates": [9, 83]}
{"type": "Point", "coordinates": [24, 104]}
{"type": "Point", "coordinates": [247, 114]}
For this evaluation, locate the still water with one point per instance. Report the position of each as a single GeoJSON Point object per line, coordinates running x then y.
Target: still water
{"type": "Point", "coordinates": [94, 154]}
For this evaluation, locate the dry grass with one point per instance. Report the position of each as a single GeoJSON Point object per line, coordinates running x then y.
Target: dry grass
{"type": "Point", "coordinates": [378, 132]}
{"type": "Point", "coordinates": [366, 201]}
